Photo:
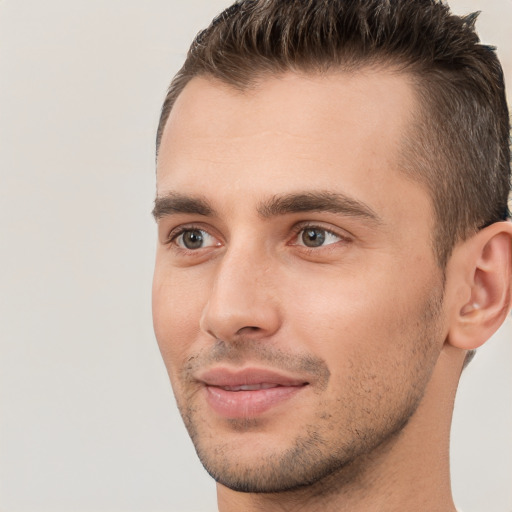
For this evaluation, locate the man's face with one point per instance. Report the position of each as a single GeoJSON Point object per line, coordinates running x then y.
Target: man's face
{"type": "Point", "coordinates": [297, 302]}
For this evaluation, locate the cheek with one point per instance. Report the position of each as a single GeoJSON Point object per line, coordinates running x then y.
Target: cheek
{"type": "Point", "coordinates": [379, 343]}
{"type": "Point", "coordinates": [177, 305]}
{"type": "Point", "coordinates": [373, 315]}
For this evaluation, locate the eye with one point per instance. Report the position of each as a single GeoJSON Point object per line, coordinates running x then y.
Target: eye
{"type": "Point", "coordinates": [313, 236]}
{"type": "Point", "coordinates": [193, 239]}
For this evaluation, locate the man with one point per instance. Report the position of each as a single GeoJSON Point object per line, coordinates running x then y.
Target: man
{"type": "Point", "coordinates": [332, 184]}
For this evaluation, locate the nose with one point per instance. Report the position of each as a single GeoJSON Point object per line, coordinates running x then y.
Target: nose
{"type": "Point", "coordinates": [243, 302]}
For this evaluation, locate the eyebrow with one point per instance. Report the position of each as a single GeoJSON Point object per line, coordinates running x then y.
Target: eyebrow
{"type": "Point", "coordinates": [318, 202]}
{"type": "Point", "coordinates": [174, 203]}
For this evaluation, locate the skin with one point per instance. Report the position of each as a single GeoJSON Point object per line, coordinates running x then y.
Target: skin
{"type": "Point", "coordinates": [361, 319]}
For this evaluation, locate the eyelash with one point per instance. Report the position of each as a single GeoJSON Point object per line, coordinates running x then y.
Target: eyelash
{"type": "Point", "coordinates": [296, 230]}
{"type": "Point", "coordinates": [180, 230]}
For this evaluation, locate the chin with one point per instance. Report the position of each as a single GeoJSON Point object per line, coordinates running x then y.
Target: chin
{"type": "Point", "coordinates": [312, 460]}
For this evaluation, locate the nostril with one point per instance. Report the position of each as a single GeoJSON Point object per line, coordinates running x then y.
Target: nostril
{"type": "Point", "coordinates": [248, 329]}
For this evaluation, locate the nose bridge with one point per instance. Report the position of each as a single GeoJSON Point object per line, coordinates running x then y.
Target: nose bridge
{"type": "Point", "coordinates": [243, 295]}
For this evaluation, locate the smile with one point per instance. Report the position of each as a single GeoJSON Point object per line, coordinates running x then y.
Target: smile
{"type": "Point", "coordinates": [250, 387]}
{"type": "Point", "coordinates": [248, 393]}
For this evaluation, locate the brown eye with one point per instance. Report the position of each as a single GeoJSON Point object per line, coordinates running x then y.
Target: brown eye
{"type": "Point", "coordinates": [313, 237]}
{"type": "Point", "coordinates": [193, 239]}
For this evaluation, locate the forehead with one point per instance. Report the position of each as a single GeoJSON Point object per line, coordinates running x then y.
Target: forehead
{"type": "Point", "coordinates": [320, 132]}
{"type": "Point", "coordinates": [342, 107]}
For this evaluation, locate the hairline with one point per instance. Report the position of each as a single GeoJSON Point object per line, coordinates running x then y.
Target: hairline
{"type": "Point", "coordinates": [408, 144]}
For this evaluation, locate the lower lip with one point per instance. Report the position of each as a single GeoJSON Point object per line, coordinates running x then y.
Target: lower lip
{"type": "Point", "coordinates": [243, 404]}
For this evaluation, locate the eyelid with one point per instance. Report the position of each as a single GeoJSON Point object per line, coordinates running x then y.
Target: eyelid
{"type": "Point", "coordinates": [183, 228]}
{"type": "Point", "coordinates": [179, 230]}
{"type": "Point", "coordinates": [338, 232]}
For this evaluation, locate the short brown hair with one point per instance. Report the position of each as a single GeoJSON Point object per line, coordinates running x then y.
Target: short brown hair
{"type": "Point", "coordinates": [460, 148]}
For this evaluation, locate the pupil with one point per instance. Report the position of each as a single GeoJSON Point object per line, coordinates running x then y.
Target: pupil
{"type": "Point", "coordinates": [193, 239]}
{"type": "Point", "coordinates": [313, 237]}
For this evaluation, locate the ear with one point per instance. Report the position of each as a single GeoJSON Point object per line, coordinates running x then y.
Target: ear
{"type": "Point", "coordinates": [480, 271]}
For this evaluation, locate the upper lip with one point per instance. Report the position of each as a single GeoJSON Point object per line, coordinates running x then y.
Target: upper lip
{"type": "Point", "coordinates": [226, 377]}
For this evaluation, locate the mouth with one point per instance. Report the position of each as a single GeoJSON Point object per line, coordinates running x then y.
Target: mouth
{"type": "Point", "coordinates": [249, 392]}
{"type": "Point", "coordinates": [250, 387]}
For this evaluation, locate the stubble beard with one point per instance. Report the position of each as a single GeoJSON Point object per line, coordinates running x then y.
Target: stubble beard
{"type": "Point", "coordinates": [315, 457]}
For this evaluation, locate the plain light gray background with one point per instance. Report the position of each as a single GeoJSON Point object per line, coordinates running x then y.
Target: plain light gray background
{"type": "Point", "coordinates": [87, 418]}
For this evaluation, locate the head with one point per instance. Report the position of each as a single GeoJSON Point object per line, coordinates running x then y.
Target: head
{"type": "Point", "coordinates": [459, 143]}
{"type": "Point", "coordinates": [329, 175]}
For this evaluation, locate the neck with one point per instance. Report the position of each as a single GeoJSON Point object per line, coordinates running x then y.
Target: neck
{"type": "Point", "coordinates": [411, 471]}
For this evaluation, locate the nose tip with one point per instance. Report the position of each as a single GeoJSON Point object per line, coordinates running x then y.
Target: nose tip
{"type": "Point", "coordinates": [232, 320]}
{"type": "Point", "coordinates": [242, 304]}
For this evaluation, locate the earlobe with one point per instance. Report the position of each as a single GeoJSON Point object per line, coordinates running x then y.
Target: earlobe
{"type": "Point", "coordinates": [486, 263]}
